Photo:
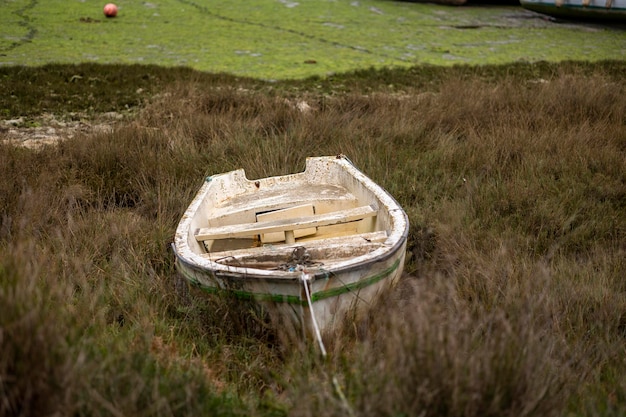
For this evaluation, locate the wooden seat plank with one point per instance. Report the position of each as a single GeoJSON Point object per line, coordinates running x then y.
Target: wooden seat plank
{"type": "Point", "coordinates": [249, 229]}
{"type": "Point", "coordinates": [373, 239]}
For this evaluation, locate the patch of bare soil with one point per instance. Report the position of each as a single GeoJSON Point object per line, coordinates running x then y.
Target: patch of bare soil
{"type": "Point", "coordinates": [48, 129]}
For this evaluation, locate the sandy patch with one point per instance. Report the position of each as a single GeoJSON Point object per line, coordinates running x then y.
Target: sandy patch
{"type": "Point", "coordinates": [49, 129]}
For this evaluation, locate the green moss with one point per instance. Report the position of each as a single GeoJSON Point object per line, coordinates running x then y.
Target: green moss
{"type": "Point", "coordinates": [277, 40]}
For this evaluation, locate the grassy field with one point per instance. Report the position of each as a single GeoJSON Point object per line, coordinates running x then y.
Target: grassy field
{"type": "Point", "coordinates": [288, 39]}
{"type": "Point", "coordinates": [514, 298]}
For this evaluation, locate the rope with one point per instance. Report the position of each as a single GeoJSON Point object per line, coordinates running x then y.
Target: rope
{"type": "Point", "coordinates": [300, 258]}
{"type": "Point", "coordinates": [305, 279]}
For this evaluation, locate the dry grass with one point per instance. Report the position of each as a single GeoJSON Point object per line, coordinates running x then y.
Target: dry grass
{"type": "Point", "coordinates": [514, 302]}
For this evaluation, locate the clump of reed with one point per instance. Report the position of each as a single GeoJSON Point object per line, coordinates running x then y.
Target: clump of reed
{"type": "Point", "coordinates": [513, 303]}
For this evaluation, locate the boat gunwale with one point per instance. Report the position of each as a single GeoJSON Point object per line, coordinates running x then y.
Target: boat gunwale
{"type": "Point", "coordinates": [279, 276]}
{"type": "Point", "coordinates": [290, 298]}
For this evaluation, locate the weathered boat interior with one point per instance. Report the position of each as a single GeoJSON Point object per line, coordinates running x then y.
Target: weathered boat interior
{"type": "Point", "coordinates": [280, 222]}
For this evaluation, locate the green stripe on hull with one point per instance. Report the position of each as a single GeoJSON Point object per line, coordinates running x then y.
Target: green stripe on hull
{"type": "Point", "coordinates": [293, 299]}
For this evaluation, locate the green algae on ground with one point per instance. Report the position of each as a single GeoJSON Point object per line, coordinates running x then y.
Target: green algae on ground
{"type": "Point", "coordinates": [276, 39]}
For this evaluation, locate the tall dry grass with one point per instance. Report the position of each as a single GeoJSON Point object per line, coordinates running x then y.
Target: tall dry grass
{"type": "Point", "coordinates": [514, 301]}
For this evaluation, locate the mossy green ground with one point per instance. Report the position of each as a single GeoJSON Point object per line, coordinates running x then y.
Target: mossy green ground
{"type": "Point", "coordinates": [278, 39]}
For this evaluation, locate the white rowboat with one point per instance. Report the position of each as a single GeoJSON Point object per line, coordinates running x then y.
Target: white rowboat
{"type": "Point", "coordinates": [318, 246]}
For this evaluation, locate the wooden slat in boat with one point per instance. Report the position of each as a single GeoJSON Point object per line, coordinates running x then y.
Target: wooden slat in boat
{"type": "Point", "coordinates": [248, 229]}
{"type": "Point", "coordinates": [322, 251]}
{"type": "Point", "coordinates": [281, 249]}
{"type": "Point", "coordinates": [303, 210]}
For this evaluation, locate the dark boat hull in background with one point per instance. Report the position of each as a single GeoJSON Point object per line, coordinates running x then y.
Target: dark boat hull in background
{"type": "Point", "coordinates": [579, 9]}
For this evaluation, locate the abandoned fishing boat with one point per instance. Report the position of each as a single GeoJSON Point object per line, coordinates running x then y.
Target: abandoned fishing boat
{"type": "Point", "coordinates": [318, 246]}
{"type": "Point", "coordinates": [579, 9]}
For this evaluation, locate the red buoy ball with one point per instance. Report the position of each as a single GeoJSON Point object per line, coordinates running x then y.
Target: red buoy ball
{"type": "Point", "coordinates": [110, 10]}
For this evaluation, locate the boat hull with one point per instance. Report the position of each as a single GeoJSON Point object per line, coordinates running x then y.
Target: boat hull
{"type": "Point", "coordinates": [579, 9]}
{"type": "Point", "coordinates": [335, 297]}
{"type": "Point", "coordinates": [305, 295]}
